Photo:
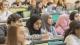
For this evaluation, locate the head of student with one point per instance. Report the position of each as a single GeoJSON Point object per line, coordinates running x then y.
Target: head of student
{"type": "Point", "coordinates": [74, 28]}
{"type": "Point", "coordinates": [34, 24]}
{"type": "Point", "coordinates": [47, 19]}
{"type": "Point", "coordinates": [15, 32]}
{"type": "Point", "coordinates": [75, 15]}
{"type": "Point", "coordinates": [14, 20]}
{"type": "Point", "coordinates": [4, 5]}
{"type": "Point", "coordinates": [39, 5]}
{"type": "Point", "coordinates": [77, 4]}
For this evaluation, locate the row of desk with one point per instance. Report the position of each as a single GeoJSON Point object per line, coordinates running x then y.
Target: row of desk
{"type": "Point", "coordinates": [57, 40]}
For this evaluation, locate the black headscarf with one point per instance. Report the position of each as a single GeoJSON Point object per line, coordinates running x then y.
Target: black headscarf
{"type": "Point", "coordinates": [30, 24]}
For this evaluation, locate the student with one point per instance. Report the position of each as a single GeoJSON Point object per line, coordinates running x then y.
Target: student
{"type": "Point", "coordinates": [15, 34]}
{"type": "Point", "coordinates": [60, 5]}
{"type": "Point", "coordinates": [44, 2]}
{"type": "Point", "coordinates": [75, 15]}
{"type": "Point", "coordinates": [4, 11]}
{"type": "Point", "coordinates": [32, 5]}
{"type": "Point", "coordinates": [48, 24]}
{"type": "Point", "coordinates": [62, 24]}
{"type": "Point", "coordinates": [51, 8]}
{"type": "Point", "coordinates": [77, 5]}
{"type": "Point", "coordinates": [72, 35]}
{"type": "Point", "coordinates": [39, 8]}
{"type": "Point", "coordinates": [34, 31]}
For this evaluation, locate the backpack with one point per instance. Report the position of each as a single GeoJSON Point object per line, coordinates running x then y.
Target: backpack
{"type": "Point", "coordinates": [2, 34]}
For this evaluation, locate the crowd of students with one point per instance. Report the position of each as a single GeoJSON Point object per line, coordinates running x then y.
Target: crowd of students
{"type": "Point", "coordinates": [41, 26]}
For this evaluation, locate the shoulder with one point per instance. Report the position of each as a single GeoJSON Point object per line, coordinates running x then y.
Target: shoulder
{"type": "Point", "coordinates": [71, 40]}
{"type": "Point", "coordinates": [70, 37]}
{"type": "Point", "coordinates": [8, 13]}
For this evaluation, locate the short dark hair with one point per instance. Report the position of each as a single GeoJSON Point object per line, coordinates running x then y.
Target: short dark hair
{"type": "Point", "coordinates": [49, 3]}
{"type": "Point", "coordinates": [13, 17]}
{"type": "Point", "coordinates": [77, 2]}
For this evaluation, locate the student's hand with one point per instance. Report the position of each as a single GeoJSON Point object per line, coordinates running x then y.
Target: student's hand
{"type": "Point", "coordinates": [45, 37]}
{"type": "Point", "coordinates": [36, 36]}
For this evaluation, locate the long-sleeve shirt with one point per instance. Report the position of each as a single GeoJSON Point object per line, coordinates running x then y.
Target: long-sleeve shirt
{"type": "Point", "coordinates": [34, 36]}
{"type": "Point", "coordinates": [72, 40]}
{"type": "Point", "coordinates": [62, 24]}
{"type": "Point", "coordinates": [4, 16]}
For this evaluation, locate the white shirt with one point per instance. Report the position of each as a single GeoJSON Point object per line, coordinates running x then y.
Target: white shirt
{"type": "Point", "coordinates": [72, 40]}
{"type": "Point", "coordinates": [4, 16]}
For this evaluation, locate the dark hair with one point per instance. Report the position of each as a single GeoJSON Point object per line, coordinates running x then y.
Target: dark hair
{"type": "Point", "coordinates": [38, 9]}
{"type": "Point", "coordinates": [49, 3]}
{"type": "Point", "coordinates": [12, 36]}
{"type": "Point", "coordinates": [77, 2]}
{"type": "Point", "coordinates": [60, 3]}
{"type": "Point", "coordinates": [72, 15]}
{"type": "Point", "coordinates": [30, 23]}
{"type": "Point", "coordinates": [72, 27]}
{"type": "Point", "coordinates": [37, 4]}
{"type": "Point", "coordinates": [13, 18]}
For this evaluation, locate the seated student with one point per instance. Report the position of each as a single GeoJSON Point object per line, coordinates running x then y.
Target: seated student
{"type": "Point", "coordinates": [75, 15]}
{"type": "Point", "coordinates": [77, 5]}
{"type": "Point", "coordinates": [3, 33]}
{"type": "Point", "coordinates": [47, 24]}
{"type": "Point", "coordinates": [32, 5]}
{"type": "Point", "coordinates": [16, 35]}
{"type": "Point", "coordinates": [62, 24]}
{"type": "Point", "coordinates": [72, 36]}
{"type": "Point", "coordinates": [34, 31]}
{"type": "Point", "coordinates": [4, 11]}
{"type": "Point", "coordinates": [37, 10]}
{"type": "Point", "coordinates": [51, 8]}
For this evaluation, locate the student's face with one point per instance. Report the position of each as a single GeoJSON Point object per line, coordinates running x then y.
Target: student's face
{"type": "Point", "coordinates": [50, 21]}
{"type": "Point", "coordinates": [5, 4]}
{"type": "Point", "coordinates": [34, 3]}
{"type": "Point", "coordinates": [77, 17]}
{"type": "Point", "coordinates": [40, 5]}
{"type": "Point", "coordinates": [20, 34]}
{"type": "Point", "coordinates": [19, 22]}
{"type": "Point", "coordinates": [37, 24]}
{"type": "Point", "coordinates": [44, 2]}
